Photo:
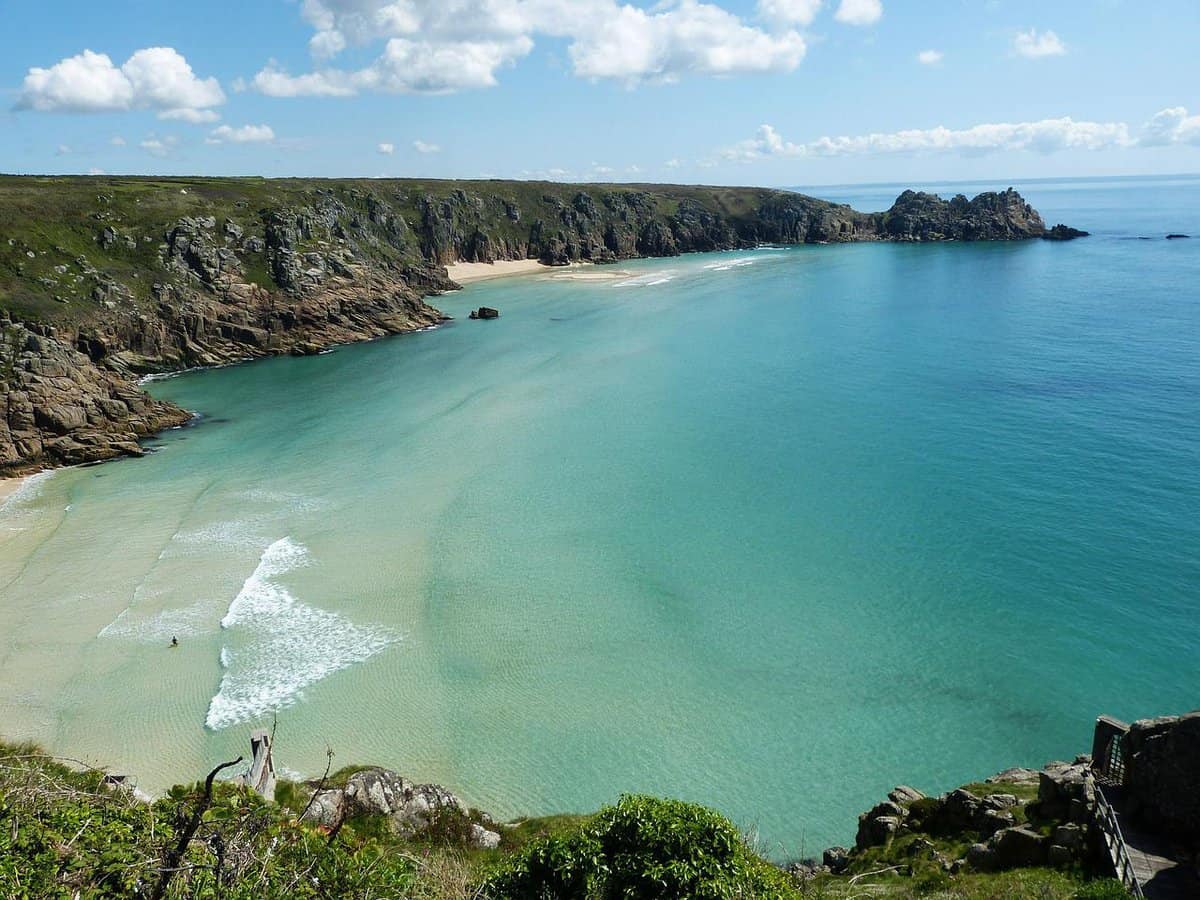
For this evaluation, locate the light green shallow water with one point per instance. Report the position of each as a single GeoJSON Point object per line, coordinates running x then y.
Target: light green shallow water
{"type": "Point", "coordinates": [770, 530]}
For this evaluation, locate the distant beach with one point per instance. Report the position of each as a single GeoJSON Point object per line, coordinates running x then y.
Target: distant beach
{"type": "Point", "coordinates": [467, 272]}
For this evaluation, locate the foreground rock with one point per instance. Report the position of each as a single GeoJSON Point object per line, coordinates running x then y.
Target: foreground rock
{"type": "Point", "coordinates": [1003, 830]}
{"type": "Point", "coordinates": [412, 810]}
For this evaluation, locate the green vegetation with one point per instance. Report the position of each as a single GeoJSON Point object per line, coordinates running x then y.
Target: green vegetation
{"type": "Point", "coordinates": [642, 847]}
{"type": "Point", "coordinates": [54, 256]}
{"type": "Point", "coordinates": [66, 832]}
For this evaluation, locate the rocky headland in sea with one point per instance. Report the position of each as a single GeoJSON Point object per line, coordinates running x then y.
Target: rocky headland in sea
{"type": "Point", "coordinates": [106, 280]}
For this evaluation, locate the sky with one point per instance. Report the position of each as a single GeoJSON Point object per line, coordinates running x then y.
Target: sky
{"type": "Point", "coordinates": [763, 92]}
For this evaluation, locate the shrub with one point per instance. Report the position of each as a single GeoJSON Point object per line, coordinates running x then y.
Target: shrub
{"type": "Point", "coordinates": [642, 847]}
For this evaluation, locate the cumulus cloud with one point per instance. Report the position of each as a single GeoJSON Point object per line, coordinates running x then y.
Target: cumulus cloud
{"type": "Point", "coordinates": [1044, 136]}
{"type": "Point", "coordinates": [156, 78]}
{"type": "Point", "coordinates": [859, 12]}
{"type": "Point", "coordinates": [117, 141]}
{"type": "Point", "coordinates": [191, 116]}
{"type": "Point", "coordinates": [929, 57]}
{"type": "Point", "coordinates": [247, 134]}
{"type": "Point", "coordinates": [789, 12]}
{"type": "Point", "coordinates": [1034, 44]}
{"type": "Point", "coordinates": [387, 149]}
{"type": "Point", "coordinates": [423, 147]}
{"type": "Point", "coordinates": [1171, 126]}
{"type": "Point", "coordinates": [440, 46]}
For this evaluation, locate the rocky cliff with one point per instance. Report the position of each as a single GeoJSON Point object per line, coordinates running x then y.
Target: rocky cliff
{"type": "Point", "coordinates": [104, 279]}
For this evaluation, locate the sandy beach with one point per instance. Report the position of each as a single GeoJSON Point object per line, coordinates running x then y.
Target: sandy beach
{"type": "Point", "coordinates": [8, 487]}
{"type": "Point", "coordinates": [466, 272]}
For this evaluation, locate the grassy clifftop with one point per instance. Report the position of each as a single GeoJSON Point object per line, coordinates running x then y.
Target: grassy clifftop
{"type": "Point", "coordinates": [67, 832]}
{"type": "Point", "coordinates": [62, 239]}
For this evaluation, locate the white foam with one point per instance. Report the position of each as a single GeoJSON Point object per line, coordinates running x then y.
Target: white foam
{"type": "Point", "coordinates": [159, 629]}
{"type": "Point", "coordinates": [26, 492]}
{"type": "Point", "coordinates": [287, 645]}
{"type": "Point", "coordinates": [648, 280]}
{"type": "Point", "coordinates": [725, 265]}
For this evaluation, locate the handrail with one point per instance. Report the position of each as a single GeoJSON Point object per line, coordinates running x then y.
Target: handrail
{"type": "Point", "coordinates": [1106, 821]}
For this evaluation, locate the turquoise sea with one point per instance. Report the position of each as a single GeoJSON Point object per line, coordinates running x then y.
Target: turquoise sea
{"type": "Point", "coordinates": [770, 530]}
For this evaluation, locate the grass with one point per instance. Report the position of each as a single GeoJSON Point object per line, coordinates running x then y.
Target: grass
{"type": "Point", "coordinates": [49, 224]}
{"type": "Point", "coordinates": [64, 832]}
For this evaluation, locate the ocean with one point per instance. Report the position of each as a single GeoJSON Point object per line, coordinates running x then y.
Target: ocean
{"type": "Point", "coordinates": [770, 530]}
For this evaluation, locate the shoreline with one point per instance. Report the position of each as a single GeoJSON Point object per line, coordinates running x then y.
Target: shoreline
{"type": "Point", "coordinates": [9, 486]}
{"type": "Point", "coordinates": [465, 273]}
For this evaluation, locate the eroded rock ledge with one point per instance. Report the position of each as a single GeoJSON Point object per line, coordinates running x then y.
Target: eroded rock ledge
{"type": "Point", "coordinates": [103, 280]}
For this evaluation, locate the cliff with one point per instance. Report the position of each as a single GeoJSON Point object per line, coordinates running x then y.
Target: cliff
{"type": "Point", "coordinates": [104, 279]}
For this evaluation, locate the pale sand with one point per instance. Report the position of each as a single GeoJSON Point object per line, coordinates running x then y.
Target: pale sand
{"type": "Point", "coordinates": [465, 273]}
{"type": "Point", "coordinates": [8, 487]}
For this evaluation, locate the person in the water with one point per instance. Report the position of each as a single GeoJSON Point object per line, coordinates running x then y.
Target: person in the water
{"type": "Point", "coordinates": [174, 641]}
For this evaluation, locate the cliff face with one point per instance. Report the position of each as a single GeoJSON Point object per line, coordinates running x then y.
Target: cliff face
{"type": "Point", "coordinates": [102, 279]}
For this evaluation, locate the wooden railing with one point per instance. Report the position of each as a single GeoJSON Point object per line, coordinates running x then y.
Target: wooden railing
{"type": "Point", "coordinates": [1118, 851]}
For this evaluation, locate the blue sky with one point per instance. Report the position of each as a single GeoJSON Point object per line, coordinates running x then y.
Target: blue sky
{"type": "Point", "coordinates": [749, 92]}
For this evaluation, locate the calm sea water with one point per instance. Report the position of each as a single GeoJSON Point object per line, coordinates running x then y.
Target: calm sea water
{"type": "Point", "coordinates": [772, 531]}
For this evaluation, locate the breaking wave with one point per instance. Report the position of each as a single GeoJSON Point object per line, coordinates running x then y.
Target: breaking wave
{"type": "Point", "coordinates": [284, 645]}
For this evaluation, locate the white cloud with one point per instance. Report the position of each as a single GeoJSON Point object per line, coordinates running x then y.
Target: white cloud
{"type": "Point", "coordinates": [440, 46]}
{"type": "Point", "coordinates": [1171, 126]}
{"type": "Point", "coordinates": [156, 146]}
{"type": "Point", "coordinates": [692, 38]}
{"type": "Point", "coordinates": [1034, 44]}
{"type": "Point", "coordinates": [117, 141]}
{"type": "Point", "coordinates": [929, 57]}
{"type": "Point", "coordinates": [1044, 136]}
{"type": "Point", "coordinates": [247, 134]}
{"type": "Point", "coordinates": [94, 171]}
{"type": "Point", "coordinates": [63, 150]}
{"type": "Point", "coordinates": [789, 12]}
{"type": "Point", "coordinates": [422, 147]}
{"type": "Point", "coordinates": [387, 149]}
{"type": "Point", "coordinates": [859, 12]}
{"type": "Point", "coordinates": [673, 163]}
{"type": "Point", "coordinates": [191, 116]}
{"type": "Point", "coordinates": [156, 78]}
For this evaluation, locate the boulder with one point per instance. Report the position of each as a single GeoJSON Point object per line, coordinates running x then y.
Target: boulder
{"type": "Point", "coordinates": [836, 859]}
{"type": "Point", "coordinates": [485, 312]}
{"type": "Point", "coordinates": [878, 824]}
{"type": "Point", "coordinates": [1019, 847]}
{"type": "Point", "coordinates": [1178, 237]}
{"type": "Point", "coordinates": [327, 808]}
{"type": "Point", "coordinates": [981, 858]}
{"type": "Point", "coordinates": [483, 839]}
{"type": "Point", "coordinates": [903, 794]}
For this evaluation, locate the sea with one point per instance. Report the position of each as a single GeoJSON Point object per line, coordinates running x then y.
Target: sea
{"type": "Point", "coordinates": [770, 530]}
